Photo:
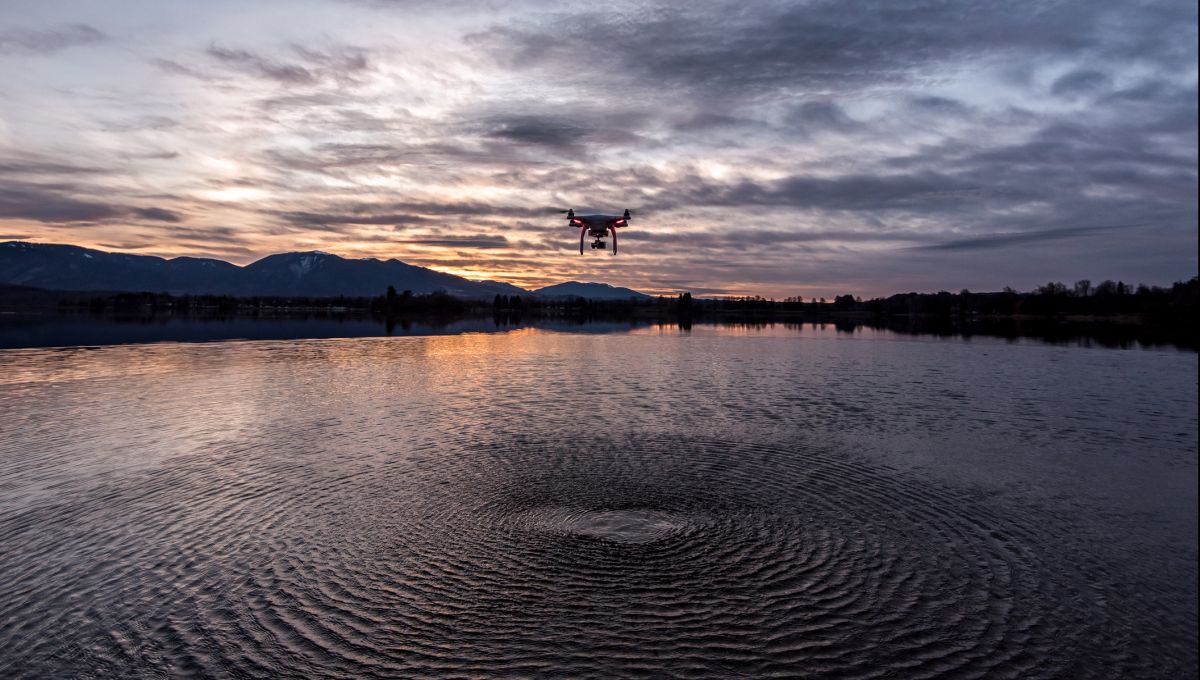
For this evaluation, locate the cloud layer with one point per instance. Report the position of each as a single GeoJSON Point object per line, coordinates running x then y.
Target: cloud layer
{"type": "Point", "coordinates": [777, 148]}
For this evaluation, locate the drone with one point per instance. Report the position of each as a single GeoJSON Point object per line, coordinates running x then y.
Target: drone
{"type": "Point", "coordinates": [598, 227]}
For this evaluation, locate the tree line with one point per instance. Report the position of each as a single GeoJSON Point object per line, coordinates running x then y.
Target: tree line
{"type": "Point", "coordinates": [1108, 299]}
{"type": "Point", "coordinates": [1178, 303]}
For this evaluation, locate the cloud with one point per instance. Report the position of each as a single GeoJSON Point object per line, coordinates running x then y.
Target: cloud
{"type": "Point", "coordinates": [340, 62]}
{"type": "Point", "coordinates": [516, 134]}
{"type": "Point", "coordinates": [309, 219]}
{"type": "Point", "coordinates": [481, 242]}
{"type": "Point", "coordinates": [1080, 82]}
{"type": "Point", "coordinates": [1004, 240]}
{"type": "Point", "coordinates": [935, 105]}
{"type": "Point", "coordinates": [255, 64]}
{"type": "Point", "coordinates": [41, 165]}
{"type": "Point", "coordinates": [861, 146]}
{"type": "Point", "coordinates": [402, 212]}
{"type": "Point", "coordinates": [752, 239]}
{"type": "Point", "coordinates": [545, 131]}
{"type": "Point", "coordinates": [339, 65]}
{"type": "Point", "coordinates": [709, 48]}
{"type": "Point", "coordinates": [925, 191]}
{"type": "Point", "coordinates": [817, 116]}
{"type": "Point", "coordinates": [24, 198]}
{"type": "Point", "coordinates": [147, 122]}
{"type": "Point", "coordinates": [157, 214]}
{"type": "Point", "coordinates": [53, 204]}
{"type": "Point", "coordinates": [158, 155]}
{"type": "Point", "coordinates": [50, 39]}
{"type": "Point", "coordinates": [176, 68]}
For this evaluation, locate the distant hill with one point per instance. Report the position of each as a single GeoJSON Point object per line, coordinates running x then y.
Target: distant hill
{"type": "Point", "coordinates": [592, 291]}
{"type": "Point", "coordinates": [307, 274]}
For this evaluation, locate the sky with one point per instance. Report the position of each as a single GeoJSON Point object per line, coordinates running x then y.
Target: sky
{"type": "Point", "coordinates": [769, 148]}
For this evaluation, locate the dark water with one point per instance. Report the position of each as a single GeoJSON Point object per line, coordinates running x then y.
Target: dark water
{"type": "Point", "coordinates": [73, 329]}
{"type": "Point", "coordinates": [719, 503]}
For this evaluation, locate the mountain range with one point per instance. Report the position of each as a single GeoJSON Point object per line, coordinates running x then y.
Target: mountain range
{"type": "Point", "coordinates": [593, 291]}
{"type": "Point", "coordinates": [303, 274]}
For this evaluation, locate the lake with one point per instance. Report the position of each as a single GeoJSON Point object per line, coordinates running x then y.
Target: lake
{"type": "Point", "coordinates": [635, 501]}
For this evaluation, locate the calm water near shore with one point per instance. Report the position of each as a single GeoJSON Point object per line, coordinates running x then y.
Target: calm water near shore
{"type": "Point", "coordinates": [33, 329]}
{"type": "Point", "coordinates": [627, 500]}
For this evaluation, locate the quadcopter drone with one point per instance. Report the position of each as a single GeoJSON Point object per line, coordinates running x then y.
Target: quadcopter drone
{"type": "Point", "coordinates": [598, 227]}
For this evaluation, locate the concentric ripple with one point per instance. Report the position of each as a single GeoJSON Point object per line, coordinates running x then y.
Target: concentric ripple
{"type": "Point", "coordinates": [642, 557]}
{"type": "Point", "coordinates": [619, 526]}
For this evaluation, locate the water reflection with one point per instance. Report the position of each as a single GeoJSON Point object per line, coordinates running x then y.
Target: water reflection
{"type": "Point", "coordinates": [72, 330]}
{"type": "Point", "coordinates": [1113, 336]}
{"type": "Point", "coordinates": [748, 500]}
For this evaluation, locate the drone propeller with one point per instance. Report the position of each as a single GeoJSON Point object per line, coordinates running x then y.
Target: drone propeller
{"type": "Point", "coordinates": [569, 212]}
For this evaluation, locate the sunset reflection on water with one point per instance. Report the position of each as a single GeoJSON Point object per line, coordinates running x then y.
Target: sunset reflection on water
{"type": "Point", "coordinates": [417, 505]}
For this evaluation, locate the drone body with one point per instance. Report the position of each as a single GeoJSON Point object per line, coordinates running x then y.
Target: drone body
{"type": "Point", "coordinates": [598, 227]}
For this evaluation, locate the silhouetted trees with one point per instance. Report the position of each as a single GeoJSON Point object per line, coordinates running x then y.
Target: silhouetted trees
{"type": "Point", "coordinates": [684, 304]}
{"type": "Point", "coordinates": [1053, 299]}
{"type": "Point", "coordinates": [437, 303]}
{"type": "Point", "coordinates": [1176, 305]}
{"type": "Point", "coordinates": [846, 302]}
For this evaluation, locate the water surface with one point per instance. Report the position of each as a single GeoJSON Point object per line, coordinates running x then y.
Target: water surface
{"type": "Point", "coordinates": [722, 502]}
